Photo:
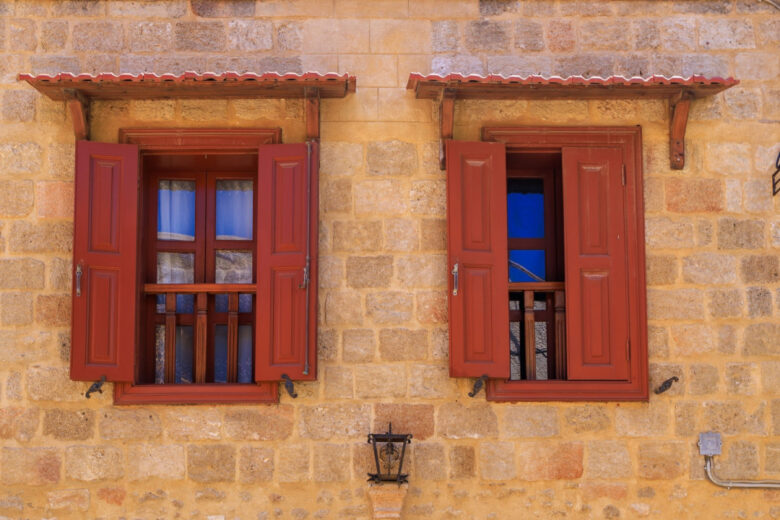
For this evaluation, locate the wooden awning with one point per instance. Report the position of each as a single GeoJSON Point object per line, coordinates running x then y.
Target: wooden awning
{"type": "Point", "coordinates": [679, 91]}
{"type": "Point", "coordinates": [78, 90]}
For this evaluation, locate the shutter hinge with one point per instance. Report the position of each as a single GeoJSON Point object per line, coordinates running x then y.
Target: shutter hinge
{"type": "Point", "coordinates": [624, 175]}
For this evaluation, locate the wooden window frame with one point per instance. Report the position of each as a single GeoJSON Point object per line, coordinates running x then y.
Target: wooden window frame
{"type": "Point", "coordinates": [629, 141]}
{"type": "Point", "coordinates": [172, 141]}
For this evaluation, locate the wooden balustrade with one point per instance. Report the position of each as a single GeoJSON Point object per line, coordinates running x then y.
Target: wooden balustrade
{"type": "Point", "coordinates": [556, 350]}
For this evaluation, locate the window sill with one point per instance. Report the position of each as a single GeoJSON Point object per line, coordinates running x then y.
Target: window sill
{"type": "Point", "coordinates": [127, 393]}
{"type": "Point", "coordinates": [503, 390]}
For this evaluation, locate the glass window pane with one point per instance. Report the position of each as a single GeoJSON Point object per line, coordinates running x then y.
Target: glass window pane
{"type": "Point", "coordinates": [176, 210]}
{"type": "Point", "coordinates": [220, 354]}
{"type": "Point", "coordinates": [525, 208]}
{"type": "Point", "coordinates": [176, 268]}
{"type": "Point", "coordinates": [233, 266]}
{"type": "Point", "coordinates": [184, 351]}
{"type": "Point", "coordinates": [532, 260]}
{"type": "Point", "coordinates": [234, 210]}
{"type": "Point", "coordinates": [245, 351]}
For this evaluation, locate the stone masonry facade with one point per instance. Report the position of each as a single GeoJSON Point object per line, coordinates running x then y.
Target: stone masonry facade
{"type": "Point", "coordinates": [712, 241]}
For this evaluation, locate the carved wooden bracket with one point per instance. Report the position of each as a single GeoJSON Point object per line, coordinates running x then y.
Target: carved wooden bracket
{"type": "Point", "coordinates": [446, 122]}
{"type": "Point", "coordinates": [312, 113]}
{"type": "Point", "coordinates": [78, 105]}
{"type": "Point", "coordinates": [679, 105]}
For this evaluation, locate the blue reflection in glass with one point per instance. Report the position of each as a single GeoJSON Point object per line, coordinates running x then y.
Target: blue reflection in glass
{"type": "Point", "coordinates": [234, 210]}
{"type": "Point", "coordinates": [531, 259]}
{"type": "Point", "coordinates": [176, 210]}
{"type": "Point", "coordinates": [184, 348]}
{"type": "Point", "coordinates": [244, 354]}
{"type": "Point", "coordinates": [220, 354]}
{"type": "Point", "coordinates": [525, 208]}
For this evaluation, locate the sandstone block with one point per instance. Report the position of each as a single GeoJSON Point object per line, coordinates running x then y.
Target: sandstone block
{"type": "Point", "coordinates": [331, 463]}
{"type": "Point", "coordinates": [487, 35]}
{"type": "Point", "coordinates": [608, 460]}
{"type": "Point", "coordinates": [762, 339]}
{"type": "Point", "coordinates": [560, 35]}
{"type": "Point", "coordinates": [68, 499]}
{"type": "Point", "coordinates": [744, 103]}
{"type": "Point", "coordinates": [403, 344]}
{"type": "Point", "coordinates": [381, 196]}
{"type": "Point", "coordinates": [727, 34]}
{"type": "Point", "coordinates": [709, 268]}
{"type": "Point", "coordinates": [53, 384]}
{"type": "Point", "coordinates": [445, 35]}
{"type": "Point", "coordinates": [693, 339]}
{"type": "Point", "coordinates": [647, 35]}
{"type": "Point", "coordinates": [433, 233]}
{"type": "Point", "coordinates": [146, 461]}
{"type": "Point", "coordinates": [390, 307]}
{"type": "Point", "coordinates": [462, 462]}
{"type": "Point", "coordinates": [658, 342]}
{"type": "Point", "coordinates": [193, 423]}
{"type": "Point", "coordinates": [740, 234]}
{"type": "Point", "coordinates": [497, 460]}
{"type": "Point", "coordinates": [429, 461]}
{"type": "Point", "coordinates": [112, 495]}
{"type": "Point", "coordinates": [16, 197]}
{"type": "Point", "coordinates": [739, 461]}
{"type": "Point", "coordinates": [432, 307]}
{"type": "Point", "coordinates": [545, 460]}
{"type": "Point", "coordinates": [662, 460]}
{"type": "Point", "coordinates": [54, 199]}
{"type": "Point", "coordinates": [326, 36]}
{"type": "Point", "coordinates": [98, 36]}
{"type": "Point", "coordinates": [664, 233]}
{"type": "Point", "coordinates": [605, 35]}
{"type": "Point", "coordinates": [592, 490]}
{"type": "Point", "coordinates": [456, 421]}
{"type": "Point", "coordinates": [199, 36]}
{"type": "Point", "coordinates": [88, 463]}
{"type": "Point", "coordinates": [41, 237]}
{"type": "Point", "coordinates": [760, 269]}
{"type": "Point", "coordinates": [327, 345]}
{"type": "Point", "coordinates": [255, 465]}
{"type": "Point", "coordinates": [400, 36]}
{"type": "Point", "coordinates": [776, 416]}
{"type": "Point", "coordinates": [530, 421]}
{"type": "Point", "coordinates": [694, 195]}
{"type": "Point", "coordinates": [294, 461]}
{"type": "Point", "coordinates": [685, 418]}
{"type": "Point", "coordinates": [401, 235]}
{"type": "Point", "coordinates": [359, 345]}
{"type": "Point", "coordinates": [363, 235]}
{"type": "Point", "coordinates": [429, 197]}
{"type": "Point", "coordinates": [366, 272]}
{"type": "Point", "coordinates": [770, 377]}
{"type": "Point", "coordinates": [16, 309]}
{"type": "Point", "coordinates": [773, 458]}
{"type": "Point", "coordinates": [660, 372]}
{"type": "Point", "coordinates": [661, 269]}
{"type": "Point", "coordinates": [53, 309]}
{"type": "Point", "coordinates": [377, 381]}
{"type": "Point", "coordinates": [339, 383]}
{"type": "Point", "coordinates": [586, 418]}
{"type": "Point", "coordinates": [340, 158]}
{"type": "Point", "coordinates": [54, 35]}
{"type": "Point", "coordinates": [30, 466]}
{"type": "Point", "coordinates": [19, 106]}
{"type": "Point", "coordinates": [18, 423]}
{"type": "Point", "coordinates": [250, 35]}
{"type": "Point", "coordinates": [77, 425]}
{"type": "Point", "coordinates": [729, 418]}
{"type": "Point", "coordinates": [211, 463]}
{"type": "Point", "coordinates": [741, 378]}
{"type": "Point", "coordinates": [343, 308]}
{"type": "Point", "coordinates": [288, 36]}
{"type": "Point", "coordinates": [422, 271]}
{"type": "Point", "coordinates": [336, 196]}
{"type": "Point", "coordinates": [642, 420]}
{"type": "Point", "coordinates": [267, 423]}
{"type": "Point", "coordinates": [150, 36]}
{"type": "Point", "coordinates": [430, 382]}
{"type": "Point", "coordinates": [334, 420]}
{"type": "Point", "coordinates": [416, 419]}
{"type": "Point", "coordinates": [757, 199]}
{"type": "Point", "coordinates": [725, 303]}
{"type": "Point", "coordinates": [391, 158]}
{"type": "Point", "coordinates": [529, 36]}
{"type": "Point", "coordinates": [728, 158]}
{"type": "Point", "coordinates": [678, 304]}
{"type": "Point", "coordinates": [136, 424]}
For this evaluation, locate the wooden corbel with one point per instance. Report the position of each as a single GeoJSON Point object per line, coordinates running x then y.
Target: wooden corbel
{"type": "Point", "coordinates": [679, 104]}
{"type": "Point", "coordinates": [312, 110]}
{"type": "Point", "coordinates": [446, 123]}
{"type": "Point", "coordinates": [78, 105]}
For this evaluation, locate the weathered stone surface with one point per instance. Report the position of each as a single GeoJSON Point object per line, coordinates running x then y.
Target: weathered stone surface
{"type": "Point", "coordinates": [685, 418]}
{"type": "Point", "coordinates": [432, 307]}
{"type": "Point", "coordinates": [660, 372]}
{"type": "Point", "coordinates": [358, 345]}
{"type": "Point", "coordinates": [709, 268]}
{"type": "Point", "coordinates": [692, 339]}
{"type": "Point", "coordinates": [16, 309]}
{"type": "Point", "coordinates": [223, 9]}
{"type": "Point", "coordinates": [703, 379]}
{"type": "Point", "coordinates": [150, 36]}
{"type": "Point", "coordinates": [365, 235]}
{"type": "Point", "coordinates": [211, 463]}
{"type": "Point", "coordinates": [662, 460]}
{"type": "Point", "coordinates": [486, 35]}
{"type": "Point", "coordinates": [77, 425]}
{"type": "Point", "coordinates": [462, 462]}
{"type": "Point", "coordinates": [294, 462]}
{"type": "Point", "coordinates": [137, 424]}
{"type": "Point", "coordinates": [68, 499]}
{"type": "Point", "coordinates": [661, 269]}
{"type": "Point", "coordinates": [422, 271]}
{"type": "Point", "coordinates": [199, 36]}
{"type": "Point", "coordinates": [391, 158]}
{"type": "Point", "coordinates": [727, 34]}
{"type": "Point", "coordinates": [416, 419]}
{"type": "Point", "coordinates": [54, 34]}
{"type": "Point", "coordinates": [444, 36]}
{"type": "Point", "coordinates": [497, 460]}
{"type": "Point", "coordinates": [255, 465]}
{"type": "Point", "coordinates": [401, 235]}
{"type": "Point", "coordinates": [546, 460]}
{"type": "Point", "coordinates": [762, 339]}
{"type": "Point", "coordinates": [741, 378]}
{"type": "Point", "coordinates": [740, 234]}
{"type": "Point", "coordinates": [529, 36]}
{"type": "Point", "coordinates": [586, 418]}
{"type": "Point", "coordinates": [333, 420]}
{"type": "Point", "coordinates": [665, 233]}
{"type": "Point", "coordinates": [608, 460]}
{"type": "Point", "coordinates": [770, 377]}
{"type": "Point", "coordinates": [155, 461]}
{"type": "Point", "coordinates": [760, 269]}
{"type": "Point", "coordinates": [343, 308]}
{"type": "Point", "coordinates": [98, 36]}
{"type": "Point", "coordinates": [730, 418]}
{"type": "Point", "coordinates": [89, 463]}
{"type": "Point", "coordinates": [675, 304]}
{"type": "Point", "coordinates": [339, 383]}
{"type": "Point", "coordinates": [725, 303]}
{"type": "Point", "coordinates": [30, 466]}
{"type": "Point", "coordinates": [380, 381]}
{"type": "Point", "coordinates": [53, 309]}
{"type": "Point", "coordinates": [642, 420]}
{"type": "Point", "coordinates": [391, 307]}
{"type": "Point", "coordinates": [530, 421]}
{"type": "Point", "coordinates": [52, 384]}
{"type": "Point", "coordinates": [41, 237]}
{"type": "Point", "coordinates": [367, 272]}
{"type": "Point", "coordinates": [429, 461]}
{"type": "Point", "coordinates": [331, 463]}
{"type": "Point", "coordinates": [739, 461]}
{"type": "Point", "coordinates": [18, 423]}
{"type": "Point", "coordinates": [193, 423]}
{"type": "Point", "coordinates": [341, 158]}
{"type": "Point", "coordinates": [403, 344]}
{"type": "Point", "coordinates": [457, 421]}
{"type": "Point", "coordinates": [694, 195]}
{"type": "Point", "coordinates": [267, 423]}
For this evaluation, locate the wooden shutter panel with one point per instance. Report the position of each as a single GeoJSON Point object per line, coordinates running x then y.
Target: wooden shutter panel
{"type": "Point", "coordinates": [287, 195]}
{"type": "Point", "coordinates": [105, 253]}
{"type": "Point", "coordinates": [477, 245]}
{"type": "Point", "coordinates": [597, 306]}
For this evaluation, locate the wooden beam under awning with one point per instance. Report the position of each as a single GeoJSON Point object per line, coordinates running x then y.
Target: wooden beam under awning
{"type": "Point", "coordinates": [79, 90]}
{"type": "Point", "coordinates": [679, 91]}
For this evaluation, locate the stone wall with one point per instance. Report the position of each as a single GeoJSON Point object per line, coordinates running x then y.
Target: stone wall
{"type": "Point", "coordinates": [712, 238]}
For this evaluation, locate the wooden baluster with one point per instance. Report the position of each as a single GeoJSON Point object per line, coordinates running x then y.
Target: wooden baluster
{"type": "Point", "coordinates": [232, 338]}
{"type": "Point", "coordinates": [201, 328]}
{"type": "Point", "coordinates": [170, 338]}
{"type": "Point", "coordinates": [530, 336]}
{"type": "Point", "coordinates": [549, 324]}
{"type": "Point", "coordinates": [560, 335]}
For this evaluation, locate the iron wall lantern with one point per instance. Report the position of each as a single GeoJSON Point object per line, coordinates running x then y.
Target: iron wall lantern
{"type": "Point", "coordinates": [389, 452]}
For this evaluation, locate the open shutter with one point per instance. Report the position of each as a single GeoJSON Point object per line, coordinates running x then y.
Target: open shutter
{"type": "Point", "coordinates": [478, 261]}
{"type": "Point", "coordinates": [286, 327]}
{"type": "Point", "coordinates": [596, 274]}
{"type": "Point", "coordinates": [105, 258]}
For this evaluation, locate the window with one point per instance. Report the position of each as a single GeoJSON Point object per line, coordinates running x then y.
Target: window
{"type": "Point", "coordinates": [195, 262]}
{"type": "Point", "coordinates": [546, 250]}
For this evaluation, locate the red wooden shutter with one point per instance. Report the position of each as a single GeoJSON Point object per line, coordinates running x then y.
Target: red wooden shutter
{"type": "Point", "coordinates": [287, 193]}
{"type": "Point", "coordinates": [596, 274]}
{"type": "Point", "coordinates": [105, 257]}
{"type": "Point", "coordinates": [477, 244]}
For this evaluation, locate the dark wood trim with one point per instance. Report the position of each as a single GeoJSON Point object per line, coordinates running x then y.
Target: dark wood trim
{"type": "Point", "coordinates": [189, 140]}
{"type": "Point", "coordinates": [211, 393]}
{"type": "Point", "coordinates": [512, 391]}
{"type": "Point", "coordinates": [312, 113]}
{"type": "Point", "coordinates": [529, 336]}
{"type": "Point", "coordinates": [78, 106]}
{"type": "Point", "coordinates": [195, 288]}
{"type": "Point", "coordinates": [446, 123]}
{"type": "Point", "coordinates": [679, 105]}
{"type": "Point", "coordinates": [535, 286]}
